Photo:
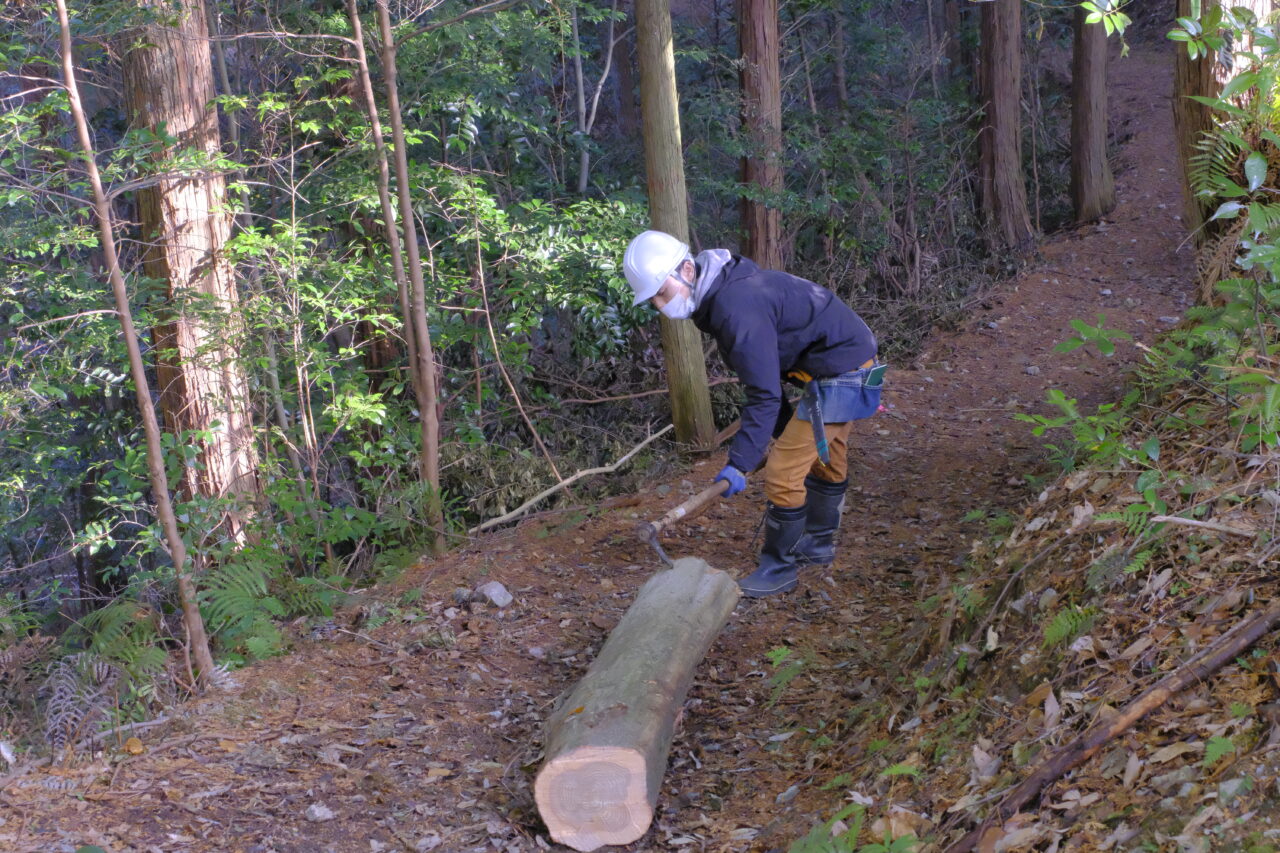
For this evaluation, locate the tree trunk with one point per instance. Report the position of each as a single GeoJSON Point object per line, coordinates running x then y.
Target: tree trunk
{"type": "Point", "coordinates": [1191, 119]}
{"type": "Point", "coordinates": [761, 82]}
{"type": "Point", "coordinates": [668, 211]}
{"type": "Point", "coordinates": [1093, 191]}
{"type": "Point", "coordinates": [197, 640]}
{"type": "Point", "coordinates": [607, 744]}
{"type": "Point", "coordinates": [842, 84]}
{"type": "Point", "coordinates": [1004, 193]}
{"type": "Point", "coordinates": [429, 458]}
{"type": "Point", "coordinates": [628, 110]}
{"type": "Point", "coordinates": [168, 81]}
{"type": "Point", "coordinates": [953, 27]}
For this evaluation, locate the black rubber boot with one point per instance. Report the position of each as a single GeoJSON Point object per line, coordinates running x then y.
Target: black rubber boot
{"type": "Point", "coordinates": [823, 504]}
{"type": "Point", "coordinates": [783, 527]}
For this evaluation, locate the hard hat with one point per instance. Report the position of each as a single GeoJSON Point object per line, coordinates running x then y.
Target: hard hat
{"type": "Point", "coordinates": [650, 258]}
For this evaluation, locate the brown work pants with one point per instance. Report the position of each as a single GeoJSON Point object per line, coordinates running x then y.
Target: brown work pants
{"type": "Point", "coordinates": [794, 455]}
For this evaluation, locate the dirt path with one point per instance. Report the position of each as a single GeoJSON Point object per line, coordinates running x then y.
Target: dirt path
{"type": "Point", "coordinates": [424, 733]}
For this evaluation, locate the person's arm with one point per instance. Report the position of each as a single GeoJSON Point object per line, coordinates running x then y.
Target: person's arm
{"type": "Point", "coordinates": [752, 353]}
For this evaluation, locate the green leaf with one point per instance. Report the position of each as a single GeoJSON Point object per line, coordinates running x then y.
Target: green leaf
{"type": "Point", "coordinates": [1151, 447]}
{"type": "Point", "coordinates": [1255, 169]}
{"type": "Point", "coordinates": [1216, 748]}
{"type": "Point", "coordinates": [1227, 210]}
{"type": "Point", "coordinates": [1238, 84]}
{"type": "Point", "coordinates": [901, 769]}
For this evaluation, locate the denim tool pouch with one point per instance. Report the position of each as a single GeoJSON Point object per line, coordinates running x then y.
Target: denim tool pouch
{"type": "Point", "coordinates": [850, 396]}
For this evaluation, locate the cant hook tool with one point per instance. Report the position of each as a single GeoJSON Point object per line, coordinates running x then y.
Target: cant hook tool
{"type": "Point", "coordinates": [649, 531]}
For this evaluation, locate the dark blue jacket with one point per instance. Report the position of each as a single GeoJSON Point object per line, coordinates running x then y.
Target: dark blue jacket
{"type": "Point", "coordinates": [768, 323]}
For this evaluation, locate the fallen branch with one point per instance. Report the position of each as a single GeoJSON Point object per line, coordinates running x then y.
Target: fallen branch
{"type": "Point", "coordinates": [1207, 525]}
{"type": "Point", "coordinates": [607, 469]}
{"type": "Point", "coordinates": [1084, 747]}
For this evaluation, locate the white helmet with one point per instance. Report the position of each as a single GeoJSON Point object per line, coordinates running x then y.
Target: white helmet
{"type": "Point", "coordinates": [650, 258]}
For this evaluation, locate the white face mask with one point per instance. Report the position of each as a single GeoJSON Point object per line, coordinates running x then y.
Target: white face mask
{"type": "Point", "coordinates": [679, 308]}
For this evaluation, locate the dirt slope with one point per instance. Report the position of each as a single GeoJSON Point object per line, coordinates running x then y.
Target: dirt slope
{"type": "Point", "coordinates": [424, 732]}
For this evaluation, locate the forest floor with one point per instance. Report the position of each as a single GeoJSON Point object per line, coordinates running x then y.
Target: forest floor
{"type": "Point", "coordinates": [425, 731]}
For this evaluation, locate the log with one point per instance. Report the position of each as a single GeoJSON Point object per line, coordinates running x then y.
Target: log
{"type": "Point", "coordinates": [607, 744]}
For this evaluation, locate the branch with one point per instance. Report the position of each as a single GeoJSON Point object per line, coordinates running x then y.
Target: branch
{"type": "Point", "coordinates": [68, 317]}
{"type": "Point", "coordinates": [607, 469]}
{"type": "Point", "coordinates": [1207, 525]}
{"type": "Point", "coordinates": [495, 6]}
{"type": "Point", "coordinates": [1084, 747]}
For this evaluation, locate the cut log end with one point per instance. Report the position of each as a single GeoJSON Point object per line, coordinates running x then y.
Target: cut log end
{"type": "Point", "coordinates": [595, 795]}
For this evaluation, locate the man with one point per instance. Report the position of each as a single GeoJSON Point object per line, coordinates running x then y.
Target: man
{"type": "Point", "coordinates": [771, 326]}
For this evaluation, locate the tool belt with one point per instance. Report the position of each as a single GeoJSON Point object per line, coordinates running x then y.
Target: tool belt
{"type": "Point", "coordinates": [850, 396]}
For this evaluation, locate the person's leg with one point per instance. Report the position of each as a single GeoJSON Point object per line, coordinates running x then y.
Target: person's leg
{"type": "Point", "coordinates": [824, 499]}
{"type": "Point", "coordinates": [792, 455]}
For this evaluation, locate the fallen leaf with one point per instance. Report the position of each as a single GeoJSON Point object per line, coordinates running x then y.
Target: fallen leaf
{"type": "Point", "coordinates": [1175, 750]}
{"type": "Point", "coordinates": [1136, 648]}
{"type": "Point", "coordinates": [1052, 712]}
{"type": "Point", "coordinates": [1131, 770]}
{"type": "Point", "coordinates": [1036, 697]}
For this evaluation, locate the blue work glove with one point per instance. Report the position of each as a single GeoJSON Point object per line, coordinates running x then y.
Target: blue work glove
{"type": "Point", "coordinates": [736, 479]}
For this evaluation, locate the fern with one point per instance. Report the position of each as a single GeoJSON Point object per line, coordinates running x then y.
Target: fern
{"type": "Point", "coordinates": [127, 632]}
{"type": "Point", "coordinates": [22, 653]}
{"type": "Point", "coordinates": [1138, 563]}
{"type": "Point", "coordinates": [1216, 749]}
{"type": "Point", "coordinates": [1134, 517]}
{"type": "Point", "coordinates": [80, 689]}
{"type": "Point", "coordinates": [236, 595]}
{"type": "Point", "coordinates": [1068, 624]}
{"type": "Point", "coordinates": [308, 596]}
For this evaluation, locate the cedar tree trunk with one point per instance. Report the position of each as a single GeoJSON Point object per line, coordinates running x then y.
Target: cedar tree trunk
{"type": "Point", "coordinates": [1004, 193]}
{"type": "Point", "coordinates": [185, 218]}
{"type": "Point", "coordinates": [1093, 191]}
{"type": "Point", "coordinates": [761, 83]}
{"type": "Point", "coordinates": [668, 210]}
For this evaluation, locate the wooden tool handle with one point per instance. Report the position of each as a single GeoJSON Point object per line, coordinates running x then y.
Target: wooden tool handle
{"type": "Point", "coordinates": [691, 508]}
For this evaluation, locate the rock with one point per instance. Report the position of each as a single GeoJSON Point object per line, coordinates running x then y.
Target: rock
{"type": "Point", "coordinates": [1169, 320]}
{"type": "Point", "coordinates": [788, 795]}
{"type": "Point", "coordinates": [1229, 789]}
{"type": "Point", "coordinates": [497, 593]}
{"type": "Point", "coordinates": [318, 812]}
{"type": "Point", "coordinates": [1166, 783]}
{"type": "Point", "coordinates": [993, 325]}
{"type": "Point", "coordinates": [1031, 370]}
{"type": "Point", "coordinates": [461, 596]}
{"type": "Point", "coordinates": [1106, 291]}
{"type": "Point", "coordinates": [537, 652]}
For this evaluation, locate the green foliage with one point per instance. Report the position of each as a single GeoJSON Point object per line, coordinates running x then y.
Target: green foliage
{"type": "Point", "coordinates": [1067, 624]}
{"type": "Point", "coordinates": [1217, 748]}
{"type": "Point", "coordinates": [840, 835]}
{"type": "Point", "coordinates": [787, 666]}
{"type": "Point", "coordinates": [1100, 337]}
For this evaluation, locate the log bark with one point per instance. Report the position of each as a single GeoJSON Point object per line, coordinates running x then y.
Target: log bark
{"type": "Point", "coordinates": [1093, 190]}
{"type": "Point", "coordinates": [1225, 649]}
{"type": "Point", "coordinates": [668, 211]}
{"type": "Point", "coordinates": [607, 744]}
